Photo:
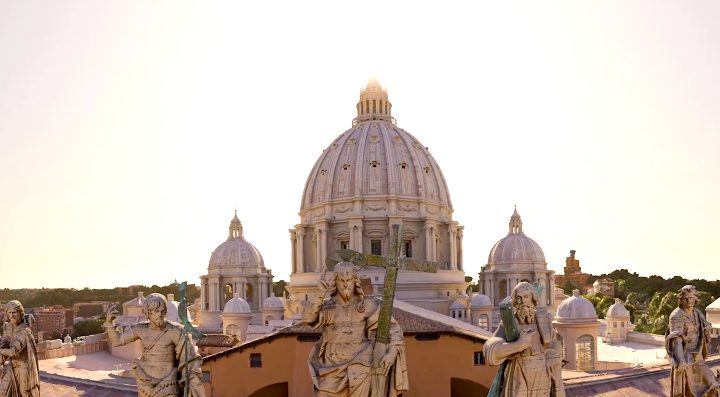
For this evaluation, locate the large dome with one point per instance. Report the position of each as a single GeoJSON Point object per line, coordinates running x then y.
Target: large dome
{"type": "Point", "coordinates": [376, 159]}
{"type": "Point", "coordinates": [516, 248]}
{"type": "Point", "coordinates": [235, 252]}
{"type": "Point", "coordinates": [369, 179]}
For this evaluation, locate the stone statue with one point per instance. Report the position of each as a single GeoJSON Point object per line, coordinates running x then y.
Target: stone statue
{"type": "Point", "coordinates": [526, 346]}
{"type": "Point", "coordinates": [686, 342]}
{"type": "Point", "coordinates": [341, 363]}
{"type": "Point", "coordinates": [19, 375]}
{"type": "Point", "coordinates": [168, 352]}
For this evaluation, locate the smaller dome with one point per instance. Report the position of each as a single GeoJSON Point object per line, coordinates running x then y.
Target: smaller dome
{"type": "Point", "coordinates": [480, 300]}
{"type": "Point", "coordinates": [516, 247]}
{"type": "Point", "coordinates": [576, 309]}
{"type": "Point", "coordinates": [237, 305]}
{"type": "Point", "coordinates": [458, 304]}
{"type": "Point", "coordinates": [618, 310]}
{"type": "Point", "coordinates": [236, 251]}
{"type": "Point", "coordinates": [273, 302]}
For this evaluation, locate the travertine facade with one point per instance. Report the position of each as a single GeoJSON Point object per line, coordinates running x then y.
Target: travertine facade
{"type": "Point", "coordinates": [373, 176]}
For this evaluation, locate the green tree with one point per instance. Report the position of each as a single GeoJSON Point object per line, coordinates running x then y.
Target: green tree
{"type": "Point", "coordinates": [88, 327]}
{"type": "Point", "coordinates": [279, 288]}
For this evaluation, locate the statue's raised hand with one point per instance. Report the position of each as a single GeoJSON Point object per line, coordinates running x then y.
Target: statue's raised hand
{"type": "Point", "coordinates": [323, 284]}
{"type": "Point", "coordinates": [110, 316]}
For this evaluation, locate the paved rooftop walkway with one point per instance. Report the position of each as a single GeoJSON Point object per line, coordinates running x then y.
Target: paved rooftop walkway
{"type": "Point", "coordinates": [96, 374]}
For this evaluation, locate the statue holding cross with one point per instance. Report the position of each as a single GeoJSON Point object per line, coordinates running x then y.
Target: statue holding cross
{"type": "Point", "coordinates": [361, 352]}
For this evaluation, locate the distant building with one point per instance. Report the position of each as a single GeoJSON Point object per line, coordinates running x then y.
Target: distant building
{"type": "Point", "coordinates": [604, 286]}
{"type": "Point", "coordinates": [573, 276]}
{"type": "Point", "coordinates": [54, 321]}
{"type": "Point", "coordinates": [91, 309]}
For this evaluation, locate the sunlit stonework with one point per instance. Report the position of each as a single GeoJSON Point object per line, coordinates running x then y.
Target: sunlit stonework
{"type": "Point", "coordinates": [370, 177]}
{"type": "Point", "coordinates": [235, 266]}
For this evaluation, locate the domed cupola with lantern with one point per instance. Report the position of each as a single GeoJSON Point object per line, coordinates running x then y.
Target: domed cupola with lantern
{"type": "Point", "coordinates": [513, 259]}
{"type": "Point", "coordinates": [235, 266]}
{"type": "Point", "coordinates": [371, 177]}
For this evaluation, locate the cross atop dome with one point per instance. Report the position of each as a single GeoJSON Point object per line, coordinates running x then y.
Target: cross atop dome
{"type": "Point", "coordinates": [236, 230]}
{"type": "Point", "coordinates": [373, 103]}
{"type": "Point", "coordinates": [515, 223]}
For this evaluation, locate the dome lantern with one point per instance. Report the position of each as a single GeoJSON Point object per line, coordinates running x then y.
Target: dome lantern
{"type": "Point", "coordinates": [373, 104]}
{"type": "Point", "coordinates": [236, 230]}
{"type": "Point", "coordinates": [515, 223]}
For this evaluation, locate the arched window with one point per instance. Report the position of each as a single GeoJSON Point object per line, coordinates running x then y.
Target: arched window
{"type": "Point", "coordinates": [227, 293]}
{"type": "Point", "coordinates": [584, 353]}
{"type": "Point", "coordinates": [484, 322]}
{"type": "Point", "coordinates": [503, 290]}
{"type": "Point", "coordinates": [233, 329]}
{"type": "Point", "coordinates": [249, 293]}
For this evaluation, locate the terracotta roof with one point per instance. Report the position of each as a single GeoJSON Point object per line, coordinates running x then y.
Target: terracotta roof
{"type": "Point", "coordinates": [218, 340]}
{"type": "Point", "coordinates": [412, 320]}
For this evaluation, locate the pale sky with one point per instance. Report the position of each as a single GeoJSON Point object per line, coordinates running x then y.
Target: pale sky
{"type": "Point", "coordinates": [131, 130]}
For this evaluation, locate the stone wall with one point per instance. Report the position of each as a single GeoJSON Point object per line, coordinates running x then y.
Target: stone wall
{"type": "Point", "coordinates": [649, 339]}
{"type": "Point", "coordinates": [68, 349]}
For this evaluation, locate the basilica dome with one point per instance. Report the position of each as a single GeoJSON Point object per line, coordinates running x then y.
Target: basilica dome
{"type": "Point", "coordinates": [376, 159]}
{"type": "Point", "coordinates": [236, 252]}
{"type": "Point", "coordinates": [516, 248]}
{"type": "Point", "coordinates": [371, 178]}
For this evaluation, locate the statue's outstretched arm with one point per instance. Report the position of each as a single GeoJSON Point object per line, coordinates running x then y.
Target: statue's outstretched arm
{"type": "Point", "coordinates": [115, 337]}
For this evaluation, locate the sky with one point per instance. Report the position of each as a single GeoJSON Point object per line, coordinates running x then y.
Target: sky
{"type": "Point", "coordinates": [131, 131]}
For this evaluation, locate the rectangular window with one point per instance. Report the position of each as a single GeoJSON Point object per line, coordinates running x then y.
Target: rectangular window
{"type": "Point", "coordinates": [407, 249]}
{"type": "Point", "coordinates": [478, 358]}
{"type": "Point", "coordinates": [206, 377]}
{"type": "Point", "coordinates": [344, 245]}
{"type": "Point", "coordinates": [376, 247]}
{"type": "Point", "coordinates": [255, 360]}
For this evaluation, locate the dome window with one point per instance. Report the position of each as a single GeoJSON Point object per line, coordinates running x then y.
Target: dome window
{"type": "Point", "coordinates": [407, 249]}
{"type": "Point", "coordinates": [483, 322]}
{"type": "Point", "coordinates": [345, 167]}
{"type": "Point", "coordinates": [323, 172]}
{"type": "Point", "coordinates": [403, 165]}
{"type": "Point", "coordinates": [374, 163]}
{"type": "Point", "coordinates": [427, 169]}
{"type": "Point", "coordinates": [376, 247]}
